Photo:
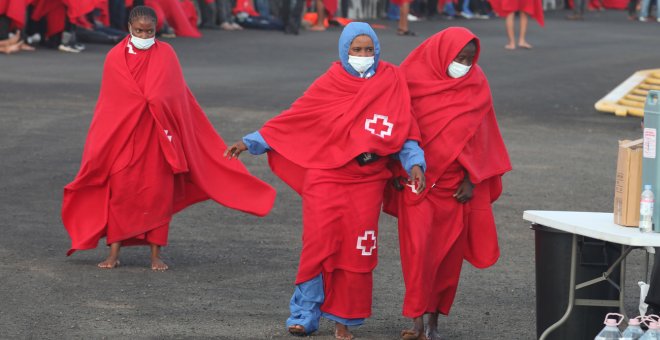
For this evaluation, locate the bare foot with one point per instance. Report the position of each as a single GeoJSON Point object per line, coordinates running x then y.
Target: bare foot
{"type": "Point", "coordinates": [227, 26]}
{"type": "Point", "coordinates": [26, 47]}
{"type": "Point", "coordinates": [297, 330]}
{"type": "Point", "coordinates": [510, 46]}
{"type": "Point", "coordinates": [317, 28]}
{"type": "Point", "coordinates": [158, 265]}
{"type": "Point", "coordinates": [413, 334]}
{"type": "Point", "coordinates": [342, 332]}
{"type": "Point", "coordinates": [525, 45]}
{"type": "Point", "coordinates": [109, 263]}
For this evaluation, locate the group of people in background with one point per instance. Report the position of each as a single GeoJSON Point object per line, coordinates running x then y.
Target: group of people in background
{"type": "Point", "coordinates": [68, 25]}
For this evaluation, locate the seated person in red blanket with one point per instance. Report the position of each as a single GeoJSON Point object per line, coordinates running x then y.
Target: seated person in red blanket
{"type": "Point", "coordinates": [332, 146]}
{"type": "Point", "coordinates": [452, 220]}
{"type": "Point", "coordinates": [149, 153]}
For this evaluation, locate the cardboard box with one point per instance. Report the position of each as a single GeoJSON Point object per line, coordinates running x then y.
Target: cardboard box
{"type": "Point", "coordinates": [628, 189]}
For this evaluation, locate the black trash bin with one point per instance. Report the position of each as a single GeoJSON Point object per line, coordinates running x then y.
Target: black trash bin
{"type": "Point", "coordinates": [553, 265]}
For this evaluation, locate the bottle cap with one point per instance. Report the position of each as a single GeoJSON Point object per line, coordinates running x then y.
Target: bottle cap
{"type": "Point", "coordinates": [611, 322]}
{"type": "Point", "coordinates": [647, 186]}
{"type": "Point", "coordinates": [634, 321]}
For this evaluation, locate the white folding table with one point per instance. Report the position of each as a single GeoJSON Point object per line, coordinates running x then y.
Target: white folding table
{"type": "Point", "coordinates": [598, 226]}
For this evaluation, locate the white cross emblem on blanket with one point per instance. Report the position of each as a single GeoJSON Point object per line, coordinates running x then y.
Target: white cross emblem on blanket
{"type": "Point", "coordinates": [379, 126]}
{"type": "Point", "coordinates": [369, 244]}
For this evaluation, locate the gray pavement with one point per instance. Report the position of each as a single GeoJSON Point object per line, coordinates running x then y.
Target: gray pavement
{"type": "Point", "coordinates": [231, 274]}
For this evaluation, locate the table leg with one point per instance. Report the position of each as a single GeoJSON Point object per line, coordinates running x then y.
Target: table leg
{"type": "Point", "coordinates": [622, 281]}
{"type": "Point", "coordinates": [571, 292]}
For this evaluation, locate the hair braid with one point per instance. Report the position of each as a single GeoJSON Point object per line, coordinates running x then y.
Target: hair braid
{"type": "Point", "coordinates": [142, 12]}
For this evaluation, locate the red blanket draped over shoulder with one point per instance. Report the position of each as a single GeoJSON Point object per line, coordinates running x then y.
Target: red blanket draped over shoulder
{"type": "Point", "coordinates": [458, 123]}
{"type": "Point", "coordinates": [189, 144]}
{"type": "Point", "coordinates": [532, 7]}
{"type": "Point", "coordinates": [332, 122]}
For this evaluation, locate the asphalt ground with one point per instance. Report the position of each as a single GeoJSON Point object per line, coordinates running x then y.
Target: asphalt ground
{"type": "Point", "coordinates": [231, 275]}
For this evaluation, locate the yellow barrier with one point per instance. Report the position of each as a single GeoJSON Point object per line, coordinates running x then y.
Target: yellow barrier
{"type": "Point", "coordinates": [628, 98]}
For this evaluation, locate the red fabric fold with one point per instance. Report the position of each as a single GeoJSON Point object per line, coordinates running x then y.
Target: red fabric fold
{"type": "Point", "coordinates": [245, 6]}
{"type": "Point", "coordinates": [56, 12]}
{"type": "Point", "coordinates": [335, 114]}
{"type": "Point", "coordinates": [15, 10]}
{"type": "Point", "coordinates": [532, 7]}
{"type": "Point", "coordinates": [187, 140]}
{"type": "Point", "coordinates": [174, 13]}
{"type": "Point", "coordinates": [78, 8]}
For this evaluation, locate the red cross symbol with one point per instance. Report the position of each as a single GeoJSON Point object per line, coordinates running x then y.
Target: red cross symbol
{"type": "Point", "coordinates": [367, 242]}
{"type": "Point", "coordinates": [379, 126]}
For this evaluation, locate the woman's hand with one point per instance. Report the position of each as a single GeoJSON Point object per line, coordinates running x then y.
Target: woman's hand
{"type": "Point", "coordinates": [417, 179]}
{"type": "Point", "coordinates": [235, 150]}
{"type": "Point", "coordinates": [464, 191]}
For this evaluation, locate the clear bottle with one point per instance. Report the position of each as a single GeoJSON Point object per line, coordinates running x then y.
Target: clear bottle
{"type": "Point", "coordinates": [654, 328]}
{"type": "Point", "coordinates": [646, 210]}
{"type": "Point", "coordinates": [611, 330]}
{"type": "Point", "coordinates": [634, 330]}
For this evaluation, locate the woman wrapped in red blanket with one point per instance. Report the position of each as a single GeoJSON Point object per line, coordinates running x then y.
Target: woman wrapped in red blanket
{"type": "Point", "coordinates": [150, 152]}
{"type": "Point", "coordinates": [452, 220]}
{"type": "Point", "coordinates": [332, 147]}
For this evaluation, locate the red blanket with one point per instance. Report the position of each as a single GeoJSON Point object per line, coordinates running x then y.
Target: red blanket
{"type": "Point", "coordinates": [15, 10]}
{"type": "Point", "coordinates": [175, 14]}
{"type": "Point", "coordinates": [457, 123]}
{"type": "Point", "coordinates": [188, 141]}
{"type": "Point", "coordinates": [532, 7]}
{"type": "Point", "coordinates": [314, 144]}
{"type": "Point", "coordinates": [55, 10]}
{"type": "Point", "coordinates": [341, 116]}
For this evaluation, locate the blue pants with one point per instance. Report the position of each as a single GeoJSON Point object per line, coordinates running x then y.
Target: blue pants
{"type": "Point", "coordinates": [305, 307]}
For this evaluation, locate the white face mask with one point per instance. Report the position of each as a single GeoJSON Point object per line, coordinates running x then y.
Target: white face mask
{"type": "Point", "coordinates": [142, 44]}
{"type": "Point", "coordinates": [360, 64]}
{"type": "Point", "coordinates": [457, 70]}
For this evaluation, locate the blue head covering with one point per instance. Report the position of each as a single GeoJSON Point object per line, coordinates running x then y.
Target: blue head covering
{"type": "Point", "coordinates": [349, 33]}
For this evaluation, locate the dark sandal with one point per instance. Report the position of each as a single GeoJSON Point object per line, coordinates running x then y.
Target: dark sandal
{"type": "Point", "coordinates": [406, 33]}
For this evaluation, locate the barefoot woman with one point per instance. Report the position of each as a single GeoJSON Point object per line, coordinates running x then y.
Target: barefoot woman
{"type": "Point", "coordinates": [149, 153]}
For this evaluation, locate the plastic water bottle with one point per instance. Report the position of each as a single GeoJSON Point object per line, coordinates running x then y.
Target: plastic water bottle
{"type": "Point", "coordinates": [646, 210]}
{"type": "Point", "coordinates": [652, 322]}
{"type": "Point", "coordinates": [610, 331]}
{"type": "Point", "coordinates": [654, 328]}
{"type": "Point", "coordinates": [633, 331]}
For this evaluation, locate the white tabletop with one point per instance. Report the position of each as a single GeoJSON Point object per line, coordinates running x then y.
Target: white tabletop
{"type": "Point", "coordinates": [592, 224]}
